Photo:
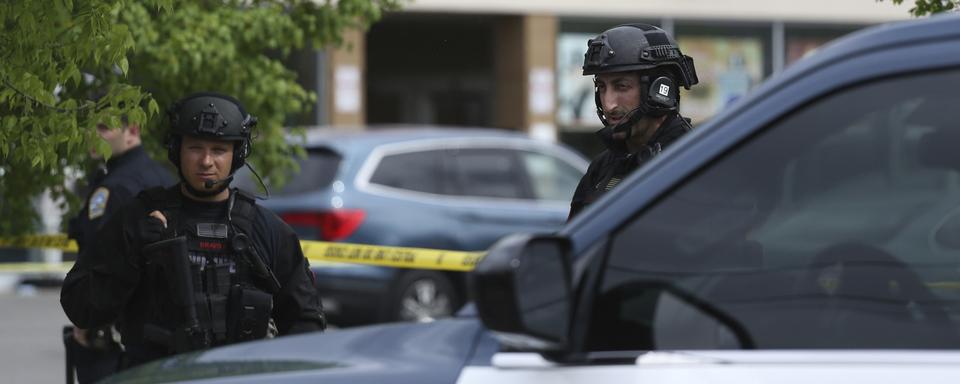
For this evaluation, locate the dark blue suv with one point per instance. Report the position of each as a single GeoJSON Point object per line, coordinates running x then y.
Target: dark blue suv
{"type": "Point", "coordinates": [807, 234]}
{"type": "Point", "coordinates": [426, 187]}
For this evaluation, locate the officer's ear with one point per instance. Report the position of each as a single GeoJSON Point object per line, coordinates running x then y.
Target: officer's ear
{"type": "Point", "coordinates": [133, 129]}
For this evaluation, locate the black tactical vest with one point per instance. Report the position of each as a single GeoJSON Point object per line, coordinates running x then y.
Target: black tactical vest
{"type": "Point", "coordinates": [231, 301]}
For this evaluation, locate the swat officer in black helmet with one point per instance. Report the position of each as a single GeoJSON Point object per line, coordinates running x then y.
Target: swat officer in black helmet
{"type": "Point", "coordinates": [637, 70]}
{"type": "Point", "coordinates": [198, 264]}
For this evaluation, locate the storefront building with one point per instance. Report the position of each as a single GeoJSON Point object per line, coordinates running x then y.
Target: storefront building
{"type": "Point", "coordinates": [515, 64]}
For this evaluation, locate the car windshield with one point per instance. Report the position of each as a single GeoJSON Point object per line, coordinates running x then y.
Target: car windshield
{"type": "Point", "coordinates": [317, 171]}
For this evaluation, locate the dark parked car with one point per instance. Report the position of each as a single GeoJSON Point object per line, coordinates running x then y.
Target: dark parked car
{"type": "Point", "coordinates": [441, 188]}
{"type": "Point", "coordinates": [808, 234]}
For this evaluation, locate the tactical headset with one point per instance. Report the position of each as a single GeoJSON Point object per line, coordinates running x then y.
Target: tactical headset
{"type": "Point", "coordinates": [645, 49]}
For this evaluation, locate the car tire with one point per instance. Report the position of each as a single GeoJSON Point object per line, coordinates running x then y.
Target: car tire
{"type": "Point", "coordinates": [422, 296]}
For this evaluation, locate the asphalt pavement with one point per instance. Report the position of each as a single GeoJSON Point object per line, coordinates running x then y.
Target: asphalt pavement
{"type": "Point", "coordinates": [31, 348]}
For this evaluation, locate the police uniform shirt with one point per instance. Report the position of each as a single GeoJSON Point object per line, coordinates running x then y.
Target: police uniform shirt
{"type": "Point", "coordinates": [126, 175]}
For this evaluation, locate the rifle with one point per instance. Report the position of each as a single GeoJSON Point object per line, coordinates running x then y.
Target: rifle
{"type": "Point", "coordinates": [171, 256]}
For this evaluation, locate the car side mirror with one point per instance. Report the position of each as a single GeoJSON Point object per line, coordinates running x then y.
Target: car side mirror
{"type": "Point", "coordinates": [522, 291]}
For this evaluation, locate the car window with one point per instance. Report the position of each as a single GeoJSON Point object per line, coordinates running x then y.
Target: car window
{"type": "Point", "coordinates": [551, 178]}
{"type": "Point", "coordinates": [317, 171]}
{"type": "Point", "coordinates": [836, 227]}
{"type": "Point", "coordinates": [419, 171]}
{"type": "Point", "coordinates": [490, 173]}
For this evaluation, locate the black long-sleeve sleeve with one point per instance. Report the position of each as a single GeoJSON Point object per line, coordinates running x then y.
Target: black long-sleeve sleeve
{"type": "Point", "coordinates": [103, 279]}
{"type": "Point", "coordinates": [297, 306]}
{"type": "Point", "coordinates": [584, 191]}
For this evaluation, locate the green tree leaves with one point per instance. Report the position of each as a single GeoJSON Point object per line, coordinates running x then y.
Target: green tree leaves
{"type": "Point", "coordinates": [139, 56]}
{"type": "Point", "coordinates": [929, 7]}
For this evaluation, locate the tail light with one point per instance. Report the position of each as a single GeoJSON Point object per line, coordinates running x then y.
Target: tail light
{"type": "Point", "coordinates": [331, 225]}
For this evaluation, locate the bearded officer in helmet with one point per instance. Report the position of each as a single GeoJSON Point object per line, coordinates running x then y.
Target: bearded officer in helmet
{"type": "Point", "coordinates": [637, 71]}
{"type": "Point", "coordinates": [199, 264]}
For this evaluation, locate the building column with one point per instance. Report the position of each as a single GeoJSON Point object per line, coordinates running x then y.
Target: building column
{"type": "Point", "coordinates": [526, 74]}
{"type": "Point", "coordinates": [345, 88]}
{"type": "Point", "coordinates": [778, 40]}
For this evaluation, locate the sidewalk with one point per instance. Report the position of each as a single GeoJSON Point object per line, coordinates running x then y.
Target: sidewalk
{"type": "Point", "coordinates": [31, 348]}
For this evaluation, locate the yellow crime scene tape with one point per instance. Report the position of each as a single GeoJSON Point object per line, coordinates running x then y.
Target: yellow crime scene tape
{"type": "Point", "coordinates": [57, 241]}
{"type": "Point", "coordinates": [400, 257]}
{"type": "Point", "coordinates": [318, 252]}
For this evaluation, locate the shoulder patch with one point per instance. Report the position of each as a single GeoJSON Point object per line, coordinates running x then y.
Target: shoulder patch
{"type": "Point", "coordinates": [97, 204]}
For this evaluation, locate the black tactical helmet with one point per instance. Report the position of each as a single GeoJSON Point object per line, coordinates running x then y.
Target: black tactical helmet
{"type": "Point", "coordinates": [212, 116]}
{"type": "Point", "coordinates": [637, 47]}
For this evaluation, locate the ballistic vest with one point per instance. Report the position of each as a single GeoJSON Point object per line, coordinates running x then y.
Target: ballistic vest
{"type": "Point", "coordinates": [230, 301]}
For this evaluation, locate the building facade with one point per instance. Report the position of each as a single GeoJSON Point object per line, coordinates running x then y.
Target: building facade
{"type": "Point", "coordinates": [515, 64]}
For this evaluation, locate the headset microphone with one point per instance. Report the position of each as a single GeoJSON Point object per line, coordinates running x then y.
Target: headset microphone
{"type": "Point", "coordinates": [207, 184]}
{"type": "Point", "coordinates": [630, 119]}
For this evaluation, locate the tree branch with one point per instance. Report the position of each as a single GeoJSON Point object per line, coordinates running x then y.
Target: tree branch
{"type": "Point", "coordinates": [7, 84]}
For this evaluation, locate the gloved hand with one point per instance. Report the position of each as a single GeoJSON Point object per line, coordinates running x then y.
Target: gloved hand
{"type": "Point", "coordinates": [153, 228]}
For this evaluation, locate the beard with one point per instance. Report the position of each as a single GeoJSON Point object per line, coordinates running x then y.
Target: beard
{"type": "Point", "coordinates": [627, 121]}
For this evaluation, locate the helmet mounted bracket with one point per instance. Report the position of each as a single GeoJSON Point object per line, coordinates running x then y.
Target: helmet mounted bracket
{"type": "Point", "coordinates": [598, 51]}
{"type": "Point", "coordinates": [210, 121]}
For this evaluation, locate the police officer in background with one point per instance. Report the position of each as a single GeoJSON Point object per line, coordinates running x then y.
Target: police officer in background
{"type": "Point", "coordinates": [198, 264]}
{"type": "Point", "coordinates": [637, 71]}
{"type": "Point", "coordinates": [129, 170]}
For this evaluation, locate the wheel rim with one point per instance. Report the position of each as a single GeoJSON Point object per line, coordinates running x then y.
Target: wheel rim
{"type": "Point", "coordinates": [424, 301]}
